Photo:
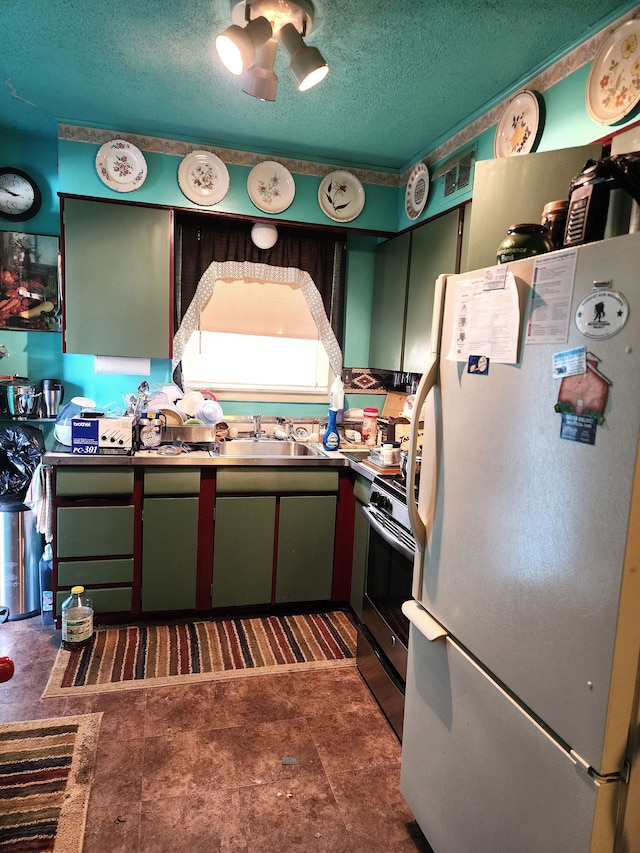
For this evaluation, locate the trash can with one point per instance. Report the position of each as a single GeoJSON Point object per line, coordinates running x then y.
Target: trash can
{"type": "Point", "coordinates": [20, 550]}
{"type": "Point", "coordinates": [21, 449]}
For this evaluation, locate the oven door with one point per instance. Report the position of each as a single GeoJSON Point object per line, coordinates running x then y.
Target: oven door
{"type": "Point", "coordinates": [387, 586]}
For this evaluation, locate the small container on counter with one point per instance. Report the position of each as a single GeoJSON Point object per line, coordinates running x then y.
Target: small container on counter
{"type": "Point", "coordinates": [150, 426]}
{"type": "Point", "coordinates": [524, 241]}
{"type": "Point", "coordinates": [391, 453]}
{"type": "Point", "coordinates": [370, 427]}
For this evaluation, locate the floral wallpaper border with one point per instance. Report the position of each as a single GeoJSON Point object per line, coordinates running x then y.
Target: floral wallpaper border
{"type": "Point", "coordinates": [565, 66]}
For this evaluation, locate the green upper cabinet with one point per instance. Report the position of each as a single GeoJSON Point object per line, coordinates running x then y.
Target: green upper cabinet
{"type": "Point", "coordinates": [389, 294]}
{"type": "Point", "coordinates": [434, 250]}
{"type": "Point", "coordinates": [118, 275]}
{"type": "Point", "coordinates": [405, 273]}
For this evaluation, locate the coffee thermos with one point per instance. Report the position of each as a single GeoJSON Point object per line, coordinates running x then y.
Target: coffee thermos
{"type": "Point", "coordinates": [52, 396]}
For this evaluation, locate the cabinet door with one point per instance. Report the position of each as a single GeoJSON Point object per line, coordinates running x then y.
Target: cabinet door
{"type": "Point", "coordinates": [306, 531]}
{"type": "Point", "coordinates": [94, 531]}
{"type": "Point", "coordinates": [117, 279]}
{"type": "Point", "coordinates": [389, 294]}
{"type": "Point", "coordinates": [243, 544]}
{"type": "Point", "coordinates": [434, 250]}
{"type": "Point", "coordinates": [169, 553]}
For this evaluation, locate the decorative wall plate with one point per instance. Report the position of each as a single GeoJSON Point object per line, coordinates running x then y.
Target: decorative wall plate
{"type": "Point", "coordinates": [203, 177]}
{"type": "Point", "coordinates": [520, 126]}
{"type": "Point", "coordinates": [341, 196]}
{"type": "Point", "coordinates": [271, 186]}
{"type": "Point", "coordinates": [417, 191]}
{"type": "Point", "coordinates": [121, 166]}
{"type": "Point", "coordinates": [613, 85]}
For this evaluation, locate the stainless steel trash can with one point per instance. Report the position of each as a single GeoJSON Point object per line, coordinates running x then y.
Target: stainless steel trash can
{"type": "Point", "coordinates": [20, 550]}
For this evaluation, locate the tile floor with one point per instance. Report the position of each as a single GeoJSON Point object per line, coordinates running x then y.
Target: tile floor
{"type": "Point", "coordinates": [200, 768]}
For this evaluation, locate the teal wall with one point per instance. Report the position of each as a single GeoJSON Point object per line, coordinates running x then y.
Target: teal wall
{"type": "Point", "coordinates": [69, 167]}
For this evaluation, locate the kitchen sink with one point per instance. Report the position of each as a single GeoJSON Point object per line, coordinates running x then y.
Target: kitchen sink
{"type": "Point", "coordinates": [253, 447]}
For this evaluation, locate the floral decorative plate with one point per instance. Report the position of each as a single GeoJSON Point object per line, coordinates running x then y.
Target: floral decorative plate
{"type": "Point", "coordinates": [203, 177]}
{"type": "Point", "coordinates": [417, 191]}
{"type": "Point", "coordinates": [271, 186]}
{"type": "Point", "coordinates": [121, 166]}
{"type": "Point", "coordinates": [613, 85]}
{"type": "Point", "coordinates": [341, 196]}
{"type": "Point", "coordinates": [520, 126]}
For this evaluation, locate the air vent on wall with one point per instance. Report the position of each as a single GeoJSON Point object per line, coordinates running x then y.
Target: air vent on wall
{"type": "Point", "coordinates": [456, 171]}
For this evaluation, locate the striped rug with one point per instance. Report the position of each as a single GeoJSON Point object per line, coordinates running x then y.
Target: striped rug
{"type": "Point", "coordinates": [122, 658]}
{"type": "Point", "coordinates": [46, 770]}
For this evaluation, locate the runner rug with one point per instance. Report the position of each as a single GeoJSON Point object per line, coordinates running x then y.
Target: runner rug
{"type": "Point", "coordinates": [46, 770]}
{"type": "Point", "coordinates": [121, 658]}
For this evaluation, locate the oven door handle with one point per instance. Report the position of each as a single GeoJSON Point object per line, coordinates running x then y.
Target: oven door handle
{"type": "Point", "coordinates": [427, 384]}
{"type": "Point", "coordinates": [388, 537]}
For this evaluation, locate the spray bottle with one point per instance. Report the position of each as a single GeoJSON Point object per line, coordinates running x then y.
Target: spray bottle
{"type": "Point", "coordinates": [331, 439]}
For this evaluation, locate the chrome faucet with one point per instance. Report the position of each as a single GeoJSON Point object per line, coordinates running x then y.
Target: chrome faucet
{"type": "Point", "coordinates": [257, 426]}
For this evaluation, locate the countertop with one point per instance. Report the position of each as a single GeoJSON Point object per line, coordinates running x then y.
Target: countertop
{"type": "Point", "coordinates": [60, 454]}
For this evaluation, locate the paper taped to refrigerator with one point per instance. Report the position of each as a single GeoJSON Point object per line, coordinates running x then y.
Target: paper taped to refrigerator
{"type": "Point", "coordinates": [486, 321]}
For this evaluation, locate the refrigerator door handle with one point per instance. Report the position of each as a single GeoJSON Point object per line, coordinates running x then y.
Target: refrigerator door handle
{"type": "Point", "coordinates": [427, 383]}
{"type": "Point", "coordinates": [423, 621]}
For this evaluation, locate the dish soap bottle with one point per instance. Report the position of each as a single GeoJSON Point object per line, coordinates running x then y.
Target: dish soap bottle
{"type": "Point", "coordinates": [77, 620]}
{"type": "Point", "coordinates": [331, 438]}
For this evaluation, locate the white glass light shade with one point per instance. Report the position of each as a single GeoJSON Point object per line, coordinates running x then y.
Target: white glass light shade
{"type": "Point", "coordinates": [308, 67]}
{"type": "Point", "coordinates": [261, 81]}
{"type": "Point", "coordinates": [237, 46]}
{"type": "Point", "coordinates": [263, 235]}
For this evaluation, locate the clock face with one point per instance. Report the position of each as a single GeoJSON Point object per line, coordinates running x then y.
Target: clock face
{"type": "Point", "coordinates": [19, 195]}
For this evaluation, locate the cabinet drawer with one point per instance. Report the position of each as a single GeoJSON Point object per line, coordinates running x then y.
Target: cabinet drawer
{"type": "Point", "coordinates": [104, 600]}
{"type": "Point", "coordinates": [92, 531]}
{"type": "Point", "coordinates": [88, 572]}
{"type": "Point", "coordinates": [171, 481]}
{"type": "Point", "coordinates": [278, 481]}
{"type": "Point", "coordinates": [83, 482]}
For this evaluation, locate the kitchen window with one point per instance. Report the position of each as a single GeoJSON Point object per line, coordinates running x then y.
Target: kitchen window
{"type": "Point", "coordinates": [253, 321]}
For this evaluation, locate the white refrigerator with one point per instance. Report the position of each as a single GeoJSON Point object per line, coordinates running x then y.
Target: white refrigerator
{"type": "Point", "coordinates": [521, 730]}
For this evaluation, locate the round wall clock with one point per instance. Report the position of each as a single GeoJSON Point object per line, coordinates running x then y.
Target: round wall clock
{"type": "Point", "coordinates": [20, 196]}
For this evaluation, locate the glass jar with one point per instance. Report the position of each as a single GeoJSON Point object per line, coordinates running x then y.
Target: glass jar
{"type": "Point", "coordinates": [554, 219]}
{"type": "Point", "coordinates": [150, 426]}
{"type": "Point", "coordinates": [524, 241]}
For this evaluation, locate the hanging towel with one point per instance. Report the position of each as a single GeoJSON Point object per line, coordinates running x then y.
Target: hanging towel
{"type": "Point", "coordinates": [39, 498]}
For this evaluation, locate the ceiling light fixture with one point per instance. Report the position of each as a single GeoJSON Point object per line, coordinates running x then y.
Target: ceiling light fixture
{"type": "Point", "coordinates": [260, 80]}
{"type": "Point", "coordinates": [250, 44]}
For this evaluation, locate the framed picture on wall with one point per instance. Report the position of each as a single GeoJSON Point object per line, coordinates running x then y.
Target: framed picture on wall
{"type": "Point", "coordinates": [29, 282]}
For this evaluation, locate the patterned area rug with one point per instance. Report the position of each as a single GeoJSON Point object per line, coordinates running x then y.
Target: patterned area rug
{"type": "Point", "coordinates": [46, 770]}
{"type": "Point", "coordinates": [122, 658]}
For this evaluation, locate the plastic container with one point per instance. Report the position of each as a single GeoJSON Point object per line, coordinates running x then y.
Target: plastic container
{"type": "Point", "coordinates": [331, 437]}
{"type": "Point", "coordinates": [391, 453]}
{"type": "Point", "coordinates": [73, 409]}
{"type": "Point", "coordinates": [46, 585]}
{"type": "Point", "coordinates": [524, 241]}
{"type": "Point", "coordinates": [370, 427]}
{"type": "Point", "coordinates": [77, 620]}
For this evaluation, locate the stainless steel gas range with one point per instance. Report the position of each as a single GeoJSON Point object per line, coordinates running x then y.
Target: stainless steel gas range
{"type": "Point", "coordinates": [384, 634]}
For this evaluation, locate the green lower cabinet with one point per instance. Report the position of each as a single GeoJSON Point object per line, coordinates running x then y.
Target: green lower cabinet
{"type": "Point", "coordinates": [93, 531]}
{"type": "Point", "coordinates": [111, 600]}
{"type": "Point", "coordinates": [244, 540]}
{"type": "Point", "coordinates": [169, 553]}
{"type": "Point", "coordinates": [305, 548]}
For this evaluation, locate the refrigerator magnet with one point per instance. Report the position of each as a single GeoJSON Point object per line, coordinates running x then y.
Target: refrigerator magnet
{"type": "Point", "coordinates": [602, 313]}
{"type": "Point", "coordinates": [584, 396]}
{"type": "Point", "coordinates": [478, 364]}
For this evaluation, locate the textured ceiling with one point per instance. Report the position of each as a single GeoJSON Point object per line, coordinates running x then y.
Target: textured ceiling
{"type": "Point", "coordinates": [404, 75]}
